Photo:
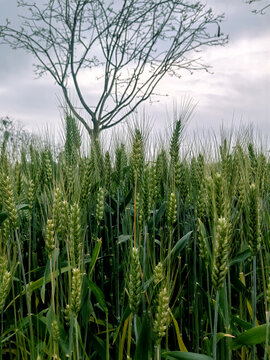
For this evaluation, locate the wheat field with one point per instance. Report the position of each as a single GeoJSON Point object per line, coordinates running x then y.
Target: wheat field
{"type": "Point", "coordinates": [118, 255]}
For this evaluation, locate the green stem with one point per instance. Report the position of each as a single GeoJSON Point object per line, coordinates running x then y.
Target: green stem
{"type": "Point", "coordinates": [196, 313]}
{"type": "Point", "coordinates": [144, 262]}
{"type": "Point", "coordinates": [77, 338]}
{"type": "Point", "coordinates": [2, 330]}
{"type": "Point", "coordinates": [209, 304]}
{"type": "Point", "coordinates": [215, 327]}
{"type": "Point", "coordinates": [129, 336]}
{"type": "Point", "coordinates": [135, 209]}
{"type": "Point", "coordinates": [227, 322]}
{"type": "Point", "coordinates": [117, 261]}
{"type": "Point", "coordinates": [27, 293]}
{"type": "Point", "coordinates": [158, 351]}
{"type": "Point", "coordinates": [107, 337]}
{"type": "Point", "coordinates": [267, 335]}
{"type": "Point", "coordinates": [254, 304]}
{"type": "Point", "coordinates": [52, 284]}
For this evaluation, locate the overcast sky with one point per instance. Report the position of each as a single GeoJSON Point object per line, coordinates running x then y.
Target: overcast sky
{"type": "Point", "coordinates": [237, 92]}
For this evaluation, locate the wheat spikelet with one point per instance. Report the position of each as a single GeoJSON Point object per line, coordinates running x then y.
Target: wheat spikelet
{"type": "Point", "coordinates": [200, 168]}
{"type": "Point", "coordinates": [108, 171]}
{"type": "Point", "coordinates": [174, 145]}
{"type": "Point", "coordinates": [49, 240]}
{"type": "Point", "coordinates": [221, 254]}
{"type": "Point", "coordinates": [134, 281]}
{"type": "Point", "coordinates": [55, 331]}
{"type": "Point", "coordinates": [31, 189]}
{"type": "Point", "coordinates": [253, 220]}
{"type": "Point", "coordinates": [139, 209]}
{"type": "Point", "coordinates": [261, 173]}
{"type": "Point", "coordinates": [193, 174]}
{"type": "Point", "coordinates": [76, 245]}
{"type": "Point", "coordinates": [100, 205]}
{"type": "Point", "coordinates": [76, 289]}
{"type": "Point", "coordinates": [18, 178]}
{"type": "Point", "coordinates": [85, 191]}
{"type": "Point", "coordinates": [64, 218]}
{"type": "Point", "coordinates": [219, 195]}
{"type": "Point", "coordinates": [57, 209]}
{"type": "Point", "coordinates": [48, 168]}
{"type": "Point", "coordinates": [9, 201]}
{"type": "Point", "coordinates": [153, 194]}
{"type": "Point", "coordinates": [200, 205]}
{"type": "Point", "coordinates": [137, 155]}
{"type": "Point", "coordinates": [252, 161]}
{"type": "Point", "coordinates": [158, 273]}
{"type": "Point", "coordinates": [146, 194]}
{"type": "Point", "coordinates": [172, 211]}
{"type": "Point", "coordinates": [161, 171]}
{"type": "Point", "coordinates": [73, 139]}
{"type": "Point", "coordinates": [98, 159]}
{"type": "Point", "coordinates": [67, 314]}
{"type": "Point", "coordinates": [161, 321]}
{"type": "Point", "coordinates": [183, 181]}
{"type": "Point", "coordinates": [202, 244]}
{"type": "Point", "coordinates": [118, 178]}
{"type": "Point", "coordinates": [4, 287]}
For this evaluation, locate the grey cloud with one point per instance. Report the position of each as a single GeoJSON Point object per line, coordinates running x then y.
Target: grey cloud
{"type": "Point", "coordinates": [231, 95]}
{"type": "Point", "coordinates": [14, 64]}
{"type": "Point", "coordinates": [239, 20]}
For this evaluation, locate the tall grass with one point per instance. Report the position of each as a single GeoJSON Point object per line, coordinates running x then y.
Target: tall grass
{"type": "Point", "coordinates": [116, 255]}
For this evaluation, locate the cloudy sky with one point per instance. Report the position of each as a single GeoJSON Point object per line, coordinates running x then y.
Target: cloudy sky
{"type": "Point", "coordinates": [237, 92]}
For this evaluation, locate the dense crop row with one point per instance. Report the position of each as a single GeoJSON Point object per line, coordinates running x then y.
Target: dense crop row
{"type": "Point", "coordinates": [116, 256]}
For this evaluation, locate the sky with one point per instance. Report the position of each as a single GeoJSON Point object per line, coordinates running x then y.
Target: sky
{"type": "Point", "coordinates": [236, 93]}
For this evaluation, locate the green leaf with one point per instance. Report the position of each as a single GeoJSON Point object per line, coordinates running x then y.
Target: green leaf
{"type": "Point", "coordinates": [147, 283]}
{"type": "Point", "coordinates": [267, 216]}
{"type": "Point", "coordinates": [144, 341]}
{"type": "Point", "coordinates": [157, 215]}
{"type": "Point", "coordinates": [185, 356]}
{"type": "Point", "coordinates": [64, 339]}
{"type": "Point", "coordinates": [22, 207]}
{"type": "Point", "coordinates": [244, 324]}
{"type": "Point", "coordinates": [126, 201]}
{"type": "Point", "coordinates": [34, 285]}
{"type": "Point", "coordinates": [123, 238]}
{"type": "Point", "coordinates": [51, 316]}
{"type": "Point", "coordinates": [160, 213]}
{"type": "Point", "coordinates": [98, 294]}
{"type": "Point", "coordinates": [179, 246]}
{"type": "Point", "coordinates": [71, 330]}
{"type": "Point", "coordinates": [46, 279]}
{"type": "Point", "coordinates": [241, 257]}
{"type": "Point", "coordinates": [99, 346]}
{"type": "Point", "coordinates": [80, 338]}
{"type": "Point", "coordinates": [94, 256]}
{"type": "Point", "coordinates": [240, 287]}
{"type": "Point", "coordinates": [47, 275]}
{"type": "Point", "coordinates": [111, 205]}
{"type": "Point", "coordinates": [181, 344]}
{"type": "Point", "coordinates": [124, 317]}
{"type": "Point", "coordinates": [205, 239]}
{"type": "Point", "coordinates": [250, 337]}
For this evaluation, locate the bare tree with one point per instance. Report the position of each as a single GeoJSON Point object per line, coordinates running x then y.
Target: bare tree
{"type": "Point", "coordinates": [262, 9]}
{"type": "Point", "coordinates": [133, 43]}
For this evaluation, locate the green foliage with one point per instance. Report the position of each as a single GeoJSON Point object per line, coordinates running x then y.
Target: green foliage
{"type": "Point", "coordinates": [68, 254]}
